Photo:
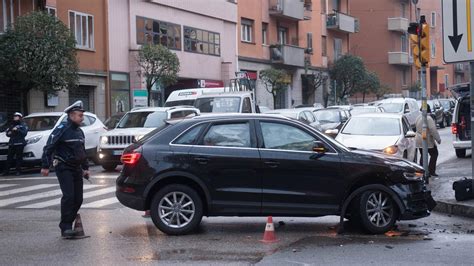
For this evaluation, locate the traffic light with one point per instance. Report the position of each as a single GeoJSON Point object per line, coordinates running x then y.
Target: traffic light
{"type": "Point", "coordinates": [425, 44]}
{"type": "Point", "coordinates": [414, 31]}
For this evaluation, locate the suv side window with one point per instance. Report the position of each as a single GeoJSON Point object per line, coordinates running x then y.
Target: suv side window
{"type": "Point", "coordinates": [88, 120]}
{"type": "Point", "coordinates": [280, 136]}
{"type": "Point", "coordinates": [190, 136]}
{"type": "Point", "coordinates": [189, 113]}
{"type": "Point", "coordinates": [406, 108]}
{"type": "Point", "coordinates": [406, 126]}
{"type": "Point", "coordinates": [247, 105]}
{"type": "Point", "coordinates": [309, 116]}
{"type": "Point", "coordinates": [228, 135]}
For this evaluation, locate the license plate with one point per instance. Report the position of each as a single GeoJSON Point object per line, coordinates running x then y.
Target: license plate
{"type": "Point", "coordinates": [117, 152]}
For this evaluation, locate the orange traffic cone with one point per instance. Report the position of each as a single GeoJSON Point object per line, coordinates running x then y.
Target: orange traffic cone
{"type": "Point", "coordinates": [147, 214]}
{"type": "Point", "coordinates": [269, 235]}
{"type": "Point", "coordinates": [78, 227]}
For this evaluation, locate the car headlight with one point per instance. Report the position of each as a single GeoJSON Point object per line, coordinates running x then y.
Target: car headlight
{"type": "Point", "coordinates": [139, 137]}
{"type": "Point", "coordinates": [391, 150]}
{"type": "Point", "coordinates": [33, 140]}
{"type": "Point", "coordinates": [104, 140]}
{"type": "Point", "coordinates": [416, 176]}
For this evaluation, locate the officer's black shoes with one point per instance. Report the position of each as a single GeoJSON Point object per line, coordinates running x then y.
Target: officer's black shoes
{"type": "Point", "coordinates": [68, 234]}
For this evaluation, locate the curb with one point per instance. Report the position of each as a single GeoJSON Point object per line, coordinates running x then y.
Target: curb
{"type": "Point", "coordinates": [454, 208]}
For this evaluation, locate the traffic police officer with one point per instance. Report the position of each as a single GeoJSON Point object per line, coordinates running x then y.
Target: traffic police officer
{"type": "Point", "coordinates": [65, 150]}
{"type": "Point", "coordinates": [17, 133]}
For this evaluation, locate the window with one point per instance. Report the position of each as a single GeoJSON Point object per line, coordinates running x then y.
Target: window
{"type": "Point", "coordinates": [228, 135]}
{"type": "Point", "coordinates": [336, 5]}
{"type": "Point", "coordinates": [282, 35]}
{"type": "Point", "coordinates": [404, 42]}
{"type": "Point", "coordinates": [202, 41]}
{"type": "Point", "coordinates": [404, 77]}
{"type": "Point", "coordinates": [324, 46]}
{"type": "Point", "coordinates": [337, 48]}
{"type": "Point", "coordinates": [82, 28]}
{"type": "Point", "coordinates": [309, 41]}
{"type": "Point", "coordinates": [309, 116]}
{"type": "Point", "coordinates": [433, 19]}
{"type": "Point", "coordinates": [51, 11]}
{"type": "Point", "coordinates": [446, 80]}
{"type": "Point", "coordinates": [433, 48]}
{"type": "Point", "coordinates": [247, 106]}
{"type": "Point", "coordinates": [403, 12]}
{"type": "Point", "coordinates": [285, 137]}
{"type": "Point", "coordinates": [323, 7]}
{"type": "Point", "coordinates": [264, 33]}
{"type": "Point", "coordinates": [150, 31]}
{"type": "Point", "coordinates": [246, 30]}
{"type": "Point", "coordinates": [190, 136]}
{"type": "Point", "coordinates": [88, 120]}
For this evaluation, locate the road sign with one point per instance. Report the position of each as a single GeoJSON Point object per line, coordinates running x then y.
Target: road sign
{"type": "Point", "coordinates": [457, 30]}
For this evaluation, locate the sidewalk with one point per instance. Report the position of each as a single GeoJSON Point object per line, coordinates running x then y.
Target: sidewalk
{"type": "Point", "coordinates": [442, 187]}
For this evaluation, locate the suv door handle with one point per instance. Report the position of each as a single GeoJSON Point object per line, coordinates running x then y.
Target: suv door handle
{"type": "Point", "coordinates": [201, 160]}
{"type": "Point", "coordinates": [272, 164]}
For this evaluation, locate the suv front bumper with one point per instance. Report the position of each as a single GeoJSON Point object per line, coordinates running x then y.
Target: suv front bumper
{"type": "Point", "coordinates": [111, 156]}
{"type": "Point", "coordinates": [416, 199]}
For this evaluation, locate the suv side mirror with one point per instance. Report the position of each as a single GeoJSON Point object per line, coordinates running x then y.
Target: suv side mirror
{"type": "Point", "coordinates": [410, 134]}
{"type": "Point", "coordinates": [319, 147]}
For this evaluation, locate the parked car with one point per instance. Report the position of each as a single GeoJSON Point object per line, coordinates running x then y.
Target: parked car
{"type": "Point", "coordinates": [448, 105]}
{"type": "Point", "coordinates": [331, 119]}
{"type": "Point", "coordinates": [40, 126]}
{"type": "Point", "coordinates": [382, 132]}
{"type": "Point", "coordinates": [259, 165]}
{"type": "Point", "coordinates": [227, 102]}
{"type": "Point", "coordinates": [461, 126]}
{"type": "Point", "coordinates": [113, 121]}
{"type": "Point", "coordinates": [361, 109]}
{"type": "Point", "coordinates": [406, 106]}
{"type": "Point", "coordinates": [437, 112]}
{"type": "Point", "coordinates": [189, 96]}
{"type": "Point", "coordinates": [133, 126]}
{"type": "Point", "coordinates": [304, 115]}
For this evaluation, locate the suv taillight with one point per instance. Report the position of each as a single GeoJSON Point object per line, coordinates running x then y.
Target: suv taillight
{"type": "Point", "coordinates": [454, 128]}
{"type": "Point", "coordinates": [130, 158]}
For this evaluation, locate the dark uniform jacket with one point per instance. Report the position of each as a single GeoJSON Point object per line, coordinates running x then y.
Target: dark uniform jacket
{"type": "Point", "coordinates": [17, 137]}
{"type": "Point", "coordinates": [66, 144]}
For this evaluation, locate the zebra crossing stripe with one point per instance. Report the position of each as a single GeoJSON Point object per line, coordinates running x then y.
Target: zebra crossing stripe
{"type": "Point", "coordinates": [25, 189]}
{"type": "Point", "coordinates": [7, 185]}
{"type": "Point", "coordinates": [52, 193]}
{"type": "Point", "coordinates": [54, 202]}
{"type": "Point", "coordinates": [101, 203]}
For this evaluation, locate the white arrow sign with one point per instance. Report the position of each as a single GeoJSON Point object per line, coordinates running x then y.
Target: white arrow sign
{"type": "Point", "coordinates": [457, 30]}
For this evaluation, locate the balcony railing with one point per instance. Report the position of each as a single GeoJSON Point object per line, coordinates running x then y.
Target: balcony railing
{"type": "Point", "coordinates": [341, 22]}
{"type": "Point", "coordinates": [287, 55]}
{"type": "Point", "coordinates": [290, 9]}
{"type": "Point", "coordinates": [398, 24]}
{"type": "Point", "coordinates": [399, 58]}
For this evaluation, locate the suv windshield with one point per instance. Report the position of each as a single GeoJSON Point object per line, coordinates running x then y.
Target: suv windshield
{"type": "Point", "coordinates": [363, 110]}
{"type": "Point", "coordinates": [393, 107]}
{"type": "Point", "coordinates": [41, 123]}
{"type": "Point", "coordinates": [143, 119]}
{"type": "Point", "coordinates": [218, 104]}
{"type": "Point", "coordinates": [328, 116]}
{"type": "Point", "coordinates": [372, 126]}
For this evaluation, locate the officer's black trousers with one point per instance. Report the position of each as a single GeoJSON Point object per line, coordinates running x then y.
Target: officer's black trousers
{"type": "Point", "coordinates": [15, 153]}
{"type": "Point", "coordinates": [70, 181]}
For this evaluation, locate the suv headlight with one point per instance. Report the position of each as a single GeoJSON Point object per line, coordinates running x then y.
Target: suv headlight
{"type": "Point", "coordinates": [391, 150]}
{"type": "Point", "coordinates": [104, 140]}
{"type": "Point", "coordinates": [33, 140]}
{"type": "Point", "coordinates": [416, 176]}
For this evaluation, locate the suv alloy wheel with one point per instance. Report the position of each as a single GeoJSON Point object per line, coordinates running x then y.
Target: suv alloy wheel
{"type": "Point", "coordinates": [377, 211]}
{"type": "Point", "coordinates": [176, 209]}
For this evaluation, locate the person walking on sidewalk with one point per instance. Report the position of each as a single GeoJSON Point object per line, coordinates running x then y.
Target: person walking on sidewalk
{"type": "Point", "coordinates": [432, 137]}
{"type": "Point", "coordinates": [66, 143]}
{"type": "Point", "coordinates": [17, 133]}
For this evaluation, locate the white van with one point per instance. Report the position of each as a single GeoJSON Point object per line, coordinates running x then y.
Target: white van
{"type": "Point", "coordinates": [188, 96]}
{"type": "Point", "coordinates": [226, 102]}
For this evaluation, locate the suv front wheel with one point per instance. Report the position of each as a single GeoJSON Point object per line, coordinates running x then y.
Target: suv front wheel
{"type": "Point", "coordinates": [461, 153]}
{"type": "Point", "coordinates": [377, 211]}
{"type": "Point", "coordinates": [176, 209]}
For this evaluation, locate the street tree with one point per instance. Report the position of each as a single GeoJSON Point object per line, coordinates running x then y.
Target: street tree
{"type": "Point", "coordinates": [274, 81]}
{"type": "Point", "coordinates": [370, 84]}
{"type": "Point", "coordinates": [158, 65]}
{"type": "Point", "coordinates": [314, 81]}
{"type": "Point", "coordinates": [349, 72]}
{"type": "Point", "coordinates": [38, 53]}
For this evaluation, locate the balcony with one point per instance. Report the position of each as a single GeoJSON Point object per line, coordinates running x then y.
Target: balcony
{"type": "Point", "coordinates": [398, 24]}
{"type": "Point", "coordinates": [287, 55]}
{"type": "Point", "coordinates": [341, 22]}
{"type": "Point", "coordinates": [399, 58]}
{"type": "Point", "coordinates": [289, 9]}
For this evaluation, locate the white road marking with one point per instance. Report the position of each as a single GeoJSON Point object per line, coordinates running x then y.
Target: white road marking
{"type": "Point", "coordinates": [7, 185]}
{"type": "Point", "coordinates": [101, 203]}
{"type": "Point", "coordinates": [26, 189]}
{"type": "Point", "coordinates": [55, 178]}
{"type": "Point", "coordinates": [52, 193]}
{"type": "Point", "coordinates": [54, 202]}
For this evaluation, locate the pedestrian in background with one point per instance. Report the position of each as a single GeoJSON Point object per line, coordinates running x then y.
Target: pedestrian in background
{"type": "Point", "coordinates": [16, 132]}
{"type": "Point", "coordinates": [432, 137]}
{"type": "Point", "coordinates": [66, 144]}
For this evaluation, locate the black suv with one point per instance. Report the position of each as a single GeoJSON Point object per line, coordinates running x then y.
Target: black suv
{"type": "Point", "coordinates": [259, 165]}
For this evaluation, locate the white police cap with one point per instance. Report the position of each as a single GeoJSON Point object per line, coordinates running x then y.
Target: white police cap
{"type": "Point", "coordinates": [77, 106]}
{"type": "Point", "coordinates": [18, 114]}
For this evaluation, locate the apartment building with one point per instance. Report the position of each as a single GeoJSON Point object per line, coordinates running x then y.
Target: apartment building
{"type": "Point", "coordinates": [201, 33]}
{"type": "Point", "coordinates": [384, 45]}
{"type": "Point", "coordinates": [86, 19]}
{"type": "Point", "coordinates": [301, 37]}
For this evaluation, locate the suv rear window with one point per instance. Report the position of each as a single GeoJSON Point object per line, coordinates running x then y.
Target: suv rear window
{"type": "Point", "coordinates": [218, 104]}
{"type": "Point", "coordinates": [143, 119]}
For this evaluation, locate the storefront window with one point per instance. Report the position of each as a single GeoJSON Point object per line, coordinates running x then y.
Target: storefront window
{"type": "Point", "coordinates": [201, 41]}
{"type": "Point", "coordinates": [120, 93]}
{"type": "Point", "coordinates": [151, 31]}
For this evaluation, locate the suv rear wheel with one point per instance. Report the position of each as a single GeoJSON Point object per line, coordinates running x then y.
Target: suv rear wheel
{"type": "Point", "coordinates": [176, 210]}
{"type": "Point", "coordinates": [377, 211]}
{"type": "Point", "coordinates": [461, 153]}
